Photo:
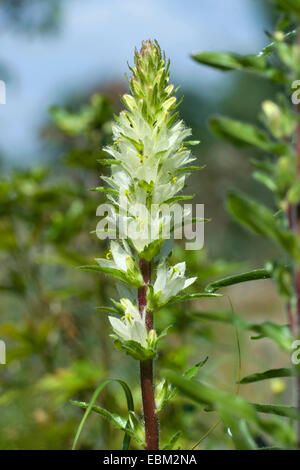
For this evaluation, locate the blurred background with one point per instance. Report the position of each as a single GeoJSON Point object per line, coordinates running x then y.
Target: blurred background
{"type": "Point", "coordinates": [63, 62]}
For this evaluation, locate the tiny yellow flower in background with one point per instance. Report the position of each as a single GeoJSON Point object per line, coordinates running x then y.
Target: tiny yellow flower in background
{"type": "Point", "coordinates": [277, 386]}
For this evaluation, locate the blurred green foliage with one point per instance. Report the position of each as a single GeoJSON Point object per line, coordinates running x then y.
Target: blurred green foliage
{"type": "Point", "coordinates": [58, 348]}
{"type": "Point", "coordinates": [276, 167]}
{"type": "Point", "coordinates": [57, 342]}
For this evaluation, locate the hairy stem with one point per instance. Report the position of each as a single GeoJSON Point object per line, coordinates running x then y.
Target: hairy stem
{"type": "Point", "coordinates": [146, 368]}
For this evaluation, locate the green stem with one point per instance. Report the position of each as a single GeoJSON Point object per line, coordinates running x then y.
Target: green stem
{"type": "Point", "coordinates": [146, 368]}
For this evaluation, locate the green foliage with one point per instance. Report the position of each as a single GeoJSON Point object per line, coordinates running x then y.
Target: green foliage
{"type": "Point", "coordinates": [262, 221]}
{"type": "Point", "coordinates": [280, 334]}
{"type": "Point", "coordinates": [213, 398]}
{"type": "Point", "coordinates": [235, 411]}
{"type": "Point", "coordinates": [172, 444]}
{"type": "Point", "coordinates": [128, 277]}
{"type": "Point", "coordinates": [245, 134]}
{"type": "Point", "coordinates": [134, 349]}
{"type": "Point", "coordinates": [230, 61]}
{"type": "Point", "coordinates": [254, 275]}
{"type": "Point", "coordinates": [289, 6]}
{"type": "Point", "coordinates": [82, 131]}
{"type": "Point", "coordinates": [120, 423]}
{"type": "Point", "coordinates": [59, 346]}
{"type": "Point", "coordinates": [278, 173]}
{"type": "Point", "coordinates": [279, 410]}
{"type": "Point", "coordinates": [45, 217]}
{"type": "Point", "coordinates": [165, 392]}
{"type": "Point", "coordinates": [269, 374]}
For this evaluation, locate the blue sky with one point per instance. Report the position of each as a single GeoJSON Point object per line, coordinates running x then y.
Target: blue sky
{"type": "Point", "coordinates": [96, 39]}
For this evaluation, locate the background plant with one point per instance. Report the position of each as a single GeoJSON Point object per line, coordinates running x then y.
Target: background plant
{"type": "Point", "coordinates": [276, 165]}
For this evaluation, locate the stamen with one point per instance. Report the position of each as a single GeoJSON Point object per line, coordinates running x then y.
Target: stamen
{"type": "Point", "coordinates": [175, 270]}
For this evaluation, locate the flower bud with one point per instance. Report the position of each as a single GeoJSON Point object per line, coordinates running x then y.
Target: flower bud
{"type": "Point", "coordinates": [152, 339]}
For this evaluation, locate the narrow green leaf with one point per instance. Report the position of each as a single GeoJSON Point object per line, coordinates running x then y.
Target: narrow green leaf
{"type": "Point", "coordinates": [279, 430]}
{"type": "Point", "coordinates": [262, 221]}
{"type": "Point", "coordinates": [192, 142]}
{"type": "Point", "coordinates": [242, 134]}
{"type": "Point", "coordinates": [223, 317]}
{"type": "Point", "coordinates": [279, 333]}
{"type": "Point", "coordinates": [254, 275]}
{"type": "Point", "coordinates": [102, 189]}
{"type": "Point", "coordinates": [190, 168]}
{"type": "Point", "coordinates": [193, 371]}
{"type": "Point", "coordinates": [231, 61]}
{"type": "Point", "coordinates": [179, 198]}
{"type": "Point", "coordinates": [109, 310]}
{"type": "Point", "coordinates": [270, 48]}
{"type": "Point", "coordinates": [152, 250]}
{"type": "Point", "coordinates": [130, 406]}
{"type": "Point", "coordinates": [265, 179]}
{"type": "Point", "coordinates": [216, 399]}
{"type": "Point", "coordinates": [107, 162]}
{"type": "Point", "coordinates": [116, 273]}
{"type": "Point", "coordinates": [117, 420]}
{"type": "Point", "coordinates": [165, 392]}
{"type": "Point", "coordinates": [134, 349]}
{"type": "Point", "coordinates": [186, 297]}
{"type": "Point", "coordinates": [269, 374]}
{"type": "Point", "coordinates": [280, 410]}
{"type": "Point", "coordinates": [239, 431]}
{"type": "Point", "coordinates": [173, 441]}
{"type": "Point", "coordinates": [227, 61]}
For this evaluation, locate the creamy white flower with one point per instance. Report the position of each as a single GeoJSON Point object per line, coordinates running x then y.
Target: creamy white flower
{"type": "Point", "coordinates": [162, 148]}
{"type": "Point", "coordinates": [149, 148]}
{"type": "Point", "coordinates": [150, 159]}
{"type": "Point", "coordinates": [132, 325]}
{"type": "Point", "coordinates": [122, 264]}
{"type": "Point", "coordinates": [170, 281]}
{"type": "Point", "coordinates": [119, 255]}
